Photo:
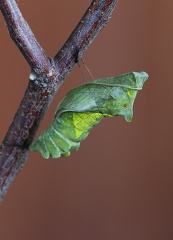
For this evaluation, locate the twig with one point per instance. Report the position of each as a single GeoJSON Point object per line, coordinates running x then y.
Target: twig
{"type": "Point", "coordinates": [46, 77]}
{"type": "Point", "coordinates": [23, 37]}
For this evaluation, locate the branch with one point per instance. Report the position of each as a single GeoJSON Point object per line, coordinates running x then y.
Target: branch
{"type": "Point", "coordinates": [23, 37]}
{"type": "Point", "coordinates": [45, 79]}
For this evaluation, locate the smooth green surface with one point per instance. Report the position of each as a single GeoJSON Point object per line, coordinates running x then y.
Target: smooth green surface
{"type": "Point", "coordinates": [85, 106]}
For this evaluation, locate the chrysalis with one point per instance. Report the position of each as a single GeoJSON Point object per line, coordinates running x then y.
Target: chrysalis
{"type": "Point", "coordinates": [84, 107]}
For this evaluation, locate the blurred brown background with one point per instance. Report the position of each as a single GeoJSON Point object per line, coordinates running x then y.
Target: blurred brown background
{"type": "Point", "coordinates": [119, 184]}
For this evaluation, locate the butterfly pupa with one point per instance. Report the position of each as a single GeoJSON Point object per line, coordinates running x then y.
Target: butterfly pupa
{"type": "Point", "coordinates": [85, 106]}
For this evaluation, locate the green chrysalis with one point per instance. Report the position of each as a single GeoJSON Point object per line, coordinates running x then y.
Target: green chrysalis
{"type": "Point", "coordinates": [84, 107]}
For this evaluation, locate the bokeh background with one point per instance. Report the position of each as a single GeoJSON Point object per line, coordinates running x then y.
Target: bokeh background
{"type": "Point", "coordinates": [119, 184]}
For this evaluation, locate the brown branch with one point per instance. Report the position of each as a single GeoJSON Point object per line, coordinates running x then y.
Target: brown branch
{"type": "Point", "coordinates": [43, 83]}
{"type": "Point", "coordinates": [23, 37]}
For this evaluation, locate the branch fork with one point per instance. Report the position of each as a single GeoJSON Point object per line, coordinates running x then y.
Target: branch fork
{"type": "Point", "coordinates": [46, 77]}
